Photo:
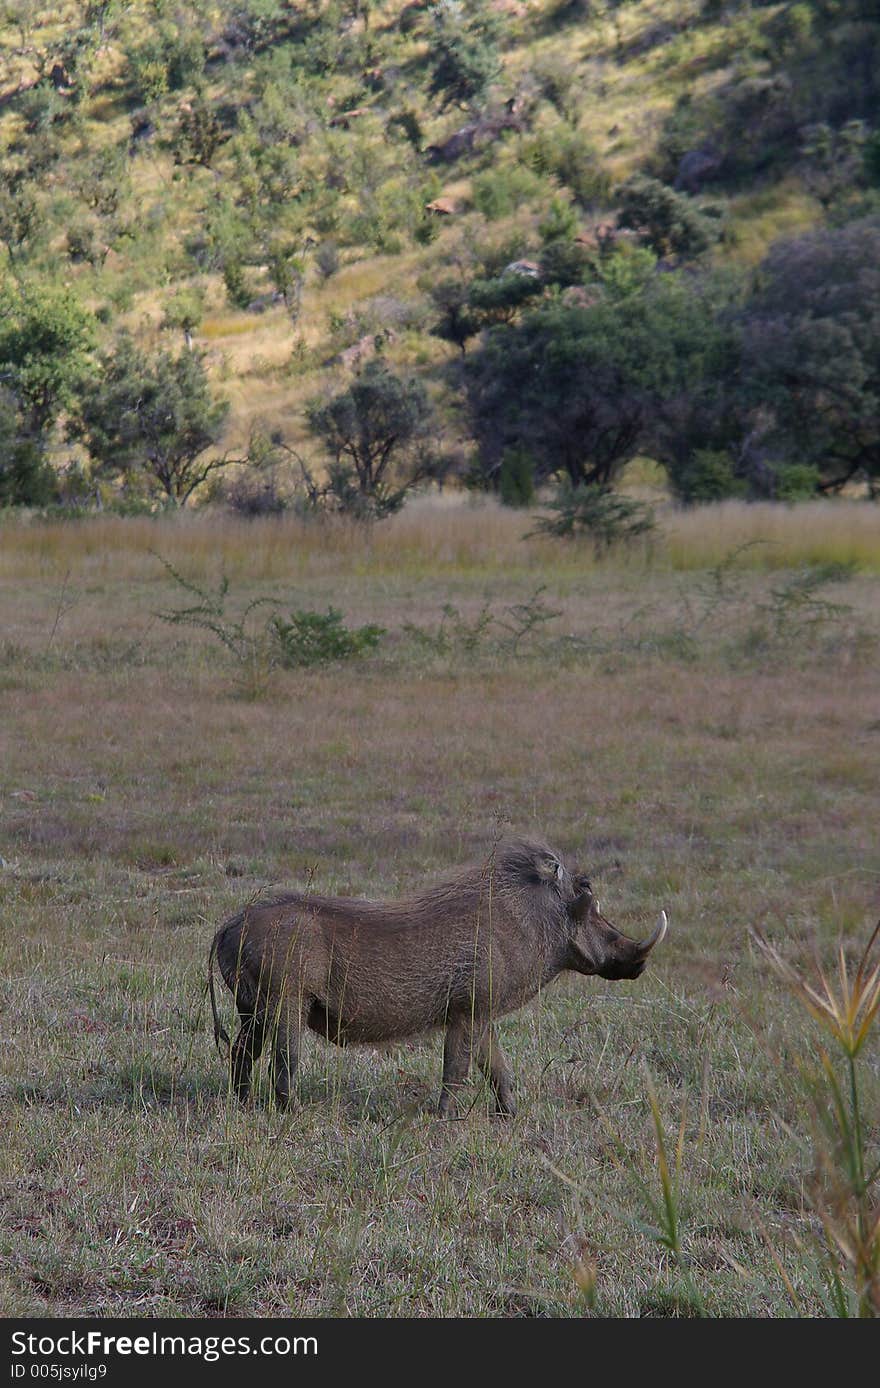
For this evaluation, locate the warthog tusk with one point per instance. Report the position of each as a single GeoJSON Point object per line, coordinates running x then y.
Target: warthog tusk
{"type": "Point", "coordinates": [656, 935]}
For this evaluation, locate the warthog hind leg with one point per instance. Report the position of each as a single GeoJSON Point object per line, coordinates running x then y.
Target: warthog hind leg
{"type": "Point", "coordinates": [245, 1052]}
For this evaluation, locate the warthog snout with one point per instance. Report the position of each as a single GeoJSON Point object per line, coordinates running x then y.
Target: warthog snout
{"type": "Point", "coordinates": [456, 956]}
{"type": "Point", "coordinates": [598, 947]}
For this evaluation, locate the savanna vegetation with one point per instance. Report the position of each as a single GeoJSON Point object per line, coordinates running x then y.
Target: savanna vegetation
{"type": "Point", "coordinates": [316, 255]}
{"type": "Point", "coordinates": [264, 708]}
{"type": "Point", "coordinates": [420, 422]}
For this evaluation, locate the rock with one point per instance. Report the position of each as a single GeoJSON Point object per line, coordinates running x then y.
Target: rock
{"type": "Point", "coordinates": [344, 119]}
{"type": "Point", "coordinates": [530, 269]}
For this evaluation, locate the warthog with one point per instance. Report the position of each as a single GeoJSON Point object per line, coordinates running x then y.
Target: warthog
{"type": "Point", "coordinates": [456, 955]}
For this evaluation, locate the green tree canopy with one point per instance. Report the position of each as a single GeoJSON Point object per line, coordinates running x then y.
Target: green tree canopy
{"type": "Point", "coordinates": [153, 418]}
{"type": "Point", "coordinates": [580, 386]}
{"type": "Point", "coordinates": [812, 351]}
{"type": "Point", "coordinates": [45, 343]}
{"type": "Point", "coordinates": [465, 57]}
{"type": "Point", "coordinates": [26, 477]}
{"type": "Point", "coordinates": [376, 434]}
{"type": "Point", "coordinates": [666, 221]}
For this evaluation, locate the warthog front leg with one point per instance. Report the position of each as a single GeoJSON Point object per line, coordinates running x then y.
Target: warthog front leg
{"type": "Point", "coordinates": [468, 1039]}
{"type": "Point", "coordinates": [456, 1060]}
{"type": "Point", "coordinates": [245, 1052]}
{"type": "Point", "coordinates": [493, 1063]}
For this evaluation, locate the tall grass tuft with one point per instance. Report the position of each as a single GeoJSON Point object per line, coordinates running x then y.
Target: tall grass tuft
{"type": "Point", "coordinates": [848, 1170]}
{"type": "Point", "coordinates": [661, 1202]}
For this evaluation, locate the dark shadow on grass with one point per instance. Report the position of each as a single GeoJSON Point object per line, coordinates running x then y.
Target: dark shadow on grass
{"type": "Point", "coordinates": [119, 1086]}
{"type": "Point", "coordinates": [383, 1100]}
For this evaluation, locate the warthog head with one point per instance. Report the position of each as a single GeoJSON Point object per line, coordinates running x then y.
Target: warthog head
{"type": "Point", "coordinates": [598, 947]}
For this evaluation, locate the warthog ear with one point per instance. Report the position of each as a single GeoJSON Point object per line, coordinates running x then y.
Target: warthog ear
{"type": "Point", "coordinates": [551, 869]}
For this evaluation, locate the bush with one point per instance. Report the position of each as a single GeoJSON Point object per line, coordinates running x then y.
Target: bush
{"type": "Point", "coordinates": [871, 160]}
{"type": "Point", "coordinates": [235, 282]}
{"type": "Point", "coordinates": [85, 243]}
{"type": "Point", "coordinates": [199, 133]}
{"type": "Point", "coordinates": [457, 321]}
{"type": "Point", "coordinates": [316, 638]}
{"type": "Point", "coordinates": [516, 478]}
{"type": "Point", "coordinates": [169, 59]}
{"type": "Point", "coordinates": [252, 496]}
{"type": "Point", "coordinates": [559, 223]}
{"type": "Point", "coordinates": [563, 152]}
{"type": "Point", "coordinates": [153, 419]}
{"type": "Point", "coordinates": [580, 386]}
{"type": "Point", "coordinates": [465, 57]}
{"type": "Point", "coordinates": [185, 55]}
{"type": "Point", "coordinates": [708, 476]}
{"type": "Point", "coordinates": [666, 221]}
{"type": "Point", "coordinates": [564, 263]}
{"type": "Point", "coordinates": [26, 478]}
{"type": "Point", "coordinates": [148, 73]}
{"type": "Point", "coordinates": [599, 514]}
{"type": "Point", "coordinates": [796, 481]}
{"type": "Point", "coordinates": [40, 107]}
{"type": "Point", "coordinates": [558, 81]}
{"type": "Point", "coordinates": [500, 300]}
{"type": "Point", "coordinates": [812, 354]}
{"type": "Point", "coordinates": [45, 343]}
{"type": "Point", "coordinates": [500, 192]}
{"type": "Point", "coordinates": [327, 259]}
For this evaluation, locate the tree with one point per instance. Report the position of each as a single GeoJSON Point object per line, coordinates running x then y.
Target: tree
{"type": "Point", "coordinates": [700, 431]}
{"type": "Point", "coordinates": [26, 476]}
{"type": "Point", "coordinates": [500, 299]}
{"type": "Point", "coordinates": [484, 287]}
{"type": "Point", "coordinates": [19, 215]}
{"type": "Point", "coordinates": [199, 132]}
{"type": "Point", "coordinates": [21, 15]}
{"type": "Point", "coordinates": [579, 387]}
{"type": "Point", "coordinates": [812, 351]}
{"type": "Point", "coordinates": [184, 311]}
{"type": "Point", "coordinates": [666, 221]}
{"type": "Point", "coordinates": [154, 418]}
{"type": "Point", "coordinates": [100, 15]}
{"type": "Point", "coordinates": [45, 343]}
{"type": "Point", "coordinates": [603, 515]}
{"type": "Point", "coordinates": [376, 433]}
{"type": "Point", "coordinates": [466, 59]}
{"type": "Point", "coordinates": [287, 266]}
{"type": "Point", "coordinates": [457, 321]}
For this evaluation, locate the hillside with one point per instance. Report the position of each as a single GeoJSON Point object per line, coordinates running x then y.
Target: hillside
{"type": "Point", "coordinates": [282, 185]}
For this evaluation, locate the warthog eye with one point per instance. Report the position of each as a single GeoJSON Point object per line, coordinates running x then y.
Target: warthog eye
{"type": "Point", "coordinates": [560, 872]}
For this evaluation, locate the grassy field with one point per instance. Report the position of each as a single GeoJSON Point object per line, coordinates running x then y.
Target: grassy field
{"type": "Point", "coordinates": [698, 727]}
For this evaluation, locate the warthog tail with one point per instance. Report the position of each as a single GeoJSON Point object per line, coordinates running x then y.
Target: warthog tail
{"type": "Point", "coordinates": [220, 1033]}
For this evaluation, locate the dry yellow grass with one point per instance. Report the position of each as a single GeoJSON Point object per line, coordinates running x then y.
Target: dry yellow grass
{"type": "Point", "coordinates": [450, 533]}
{"type": "Point", "coordinates": [812, 532]}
